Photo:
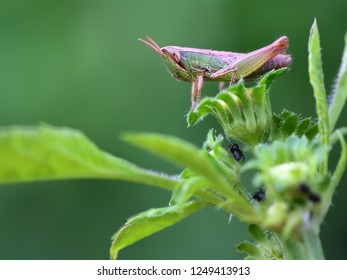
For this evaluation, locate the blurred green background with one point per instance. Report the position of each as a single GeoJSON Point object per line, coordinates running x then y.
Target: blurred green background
{"type": "Point", "coordinates": [77, 63]}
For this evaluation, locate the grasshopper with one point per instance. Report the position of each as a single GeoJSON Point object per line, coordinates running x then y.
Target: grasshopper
{"type": "Point", "coordinates": [196, 65]}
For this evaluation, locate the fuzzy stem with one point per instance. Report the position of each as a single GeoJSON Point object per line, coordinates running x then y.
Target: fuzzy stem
{"type": "Point", "coordinates": [313, 246]}
{"type": "Point", "coordinates": [310, 248]}
{"type": "Point", "coordinates": [292, 250]}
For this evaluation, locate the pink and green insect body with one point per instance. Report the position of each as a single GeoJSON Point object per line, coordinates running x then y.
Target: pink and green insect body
{"type": "Point", "coordinates": [196, 65]}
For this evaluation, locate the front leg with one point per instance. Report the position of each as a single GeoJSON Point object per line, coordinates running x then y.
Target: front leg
{"type": "Point", "coordinates": [196, 91]}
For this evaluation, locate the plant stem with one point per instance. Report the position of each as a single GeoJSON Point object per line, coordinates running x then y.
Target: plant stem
{"type": "Point", "coordinates": [308, 249]}
{"type": "Point", "coordinates": [292, 250]}
{"type": "Point", "coordinates": [313, 246]}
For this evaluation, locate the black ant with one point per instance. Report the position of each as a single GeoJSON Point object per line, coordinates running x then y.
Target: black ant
{"type": "Point", "coordinates": [259, 195]}
{"type": "Point", "coordinates": [237, 153]}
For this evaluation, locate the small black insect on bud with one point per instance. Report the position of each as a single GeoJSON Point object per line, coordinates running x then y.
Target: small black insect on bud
{"type": "Point", "coordinates": [304, 188]}
{"type": "Point", "coordinates": [237, 153]}
{"type": "Point", "coordinates": [313, 197]}
{"type": "Point", "coordinates": [259, 195]}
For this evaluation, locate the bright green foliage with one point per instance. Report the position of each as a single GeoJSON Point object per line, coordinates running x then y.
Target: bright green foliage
{"type": "Point", "coordinates": [252, 250]}
{"type": "Point", "coordinates": [257, 233]}
{"type": "Point", "coordinates": [244, 113]}
{"type": "Point", "coordinates": [288, 123]}
{"type": "Point", "coordinates": [150, 222]}
{"type": "Point", "coordinates": [284, 169]}
{"type": "Point", "coordinates": [221, 185]}
{"type": "Point", "coordinates": [265, 248]}
{"type": "Point", "coordinates": [221, 158]}
{"type": "Point", "coordinates": [186, 189]}
{"type": "Point", "coordinates": [184, 154]}
{"type": "Point", "coordinates": [315, 71]}
{"type": "Point", "coordinates": [49, 153]}
{"type": "Point", "coordinates": [283, 156]}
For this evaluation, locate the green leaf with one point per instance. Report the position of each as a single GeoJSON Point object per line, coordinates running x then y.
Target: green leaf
{"type": "Point", "coordinates": [250, 249]}
{"type": "Point", "coordinates": [215, 145]}
{"type": "Point", "coordinates": [339, 94]}
{"type": "Point", "coordinates": [50, 153]}
{"type": "Point", "coordinates": [289, 125]}
{"type": "Point", "coordinates": [317, 82]}
{"type": "Point", "coordinates": [182, 153]}
{"type": "Point", "coordinates": [247, 105]}
{"type": "Point", "coordinates": [269, 77]}
{"type": "Point", "coordinates": [225, 109]}
{"type": "Point", "coordinates": [303, 125]}
{"type": "Point", "coordinates": [335, 136]}
{"type": "Point", "coordinates": [150, 222]}
{"type": "Point", "coordinates": [186, 189]}
{"type": "Point", "coordinates": [311, 132]}
{"type": "Point", "coordinates": [257, 233]}
{"type": "Point", "coordinates": [261, 110]}
{"type": "Point", "coordinates": [244, 113]}
{"type": "Point", "coordinates": [201, 163]}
